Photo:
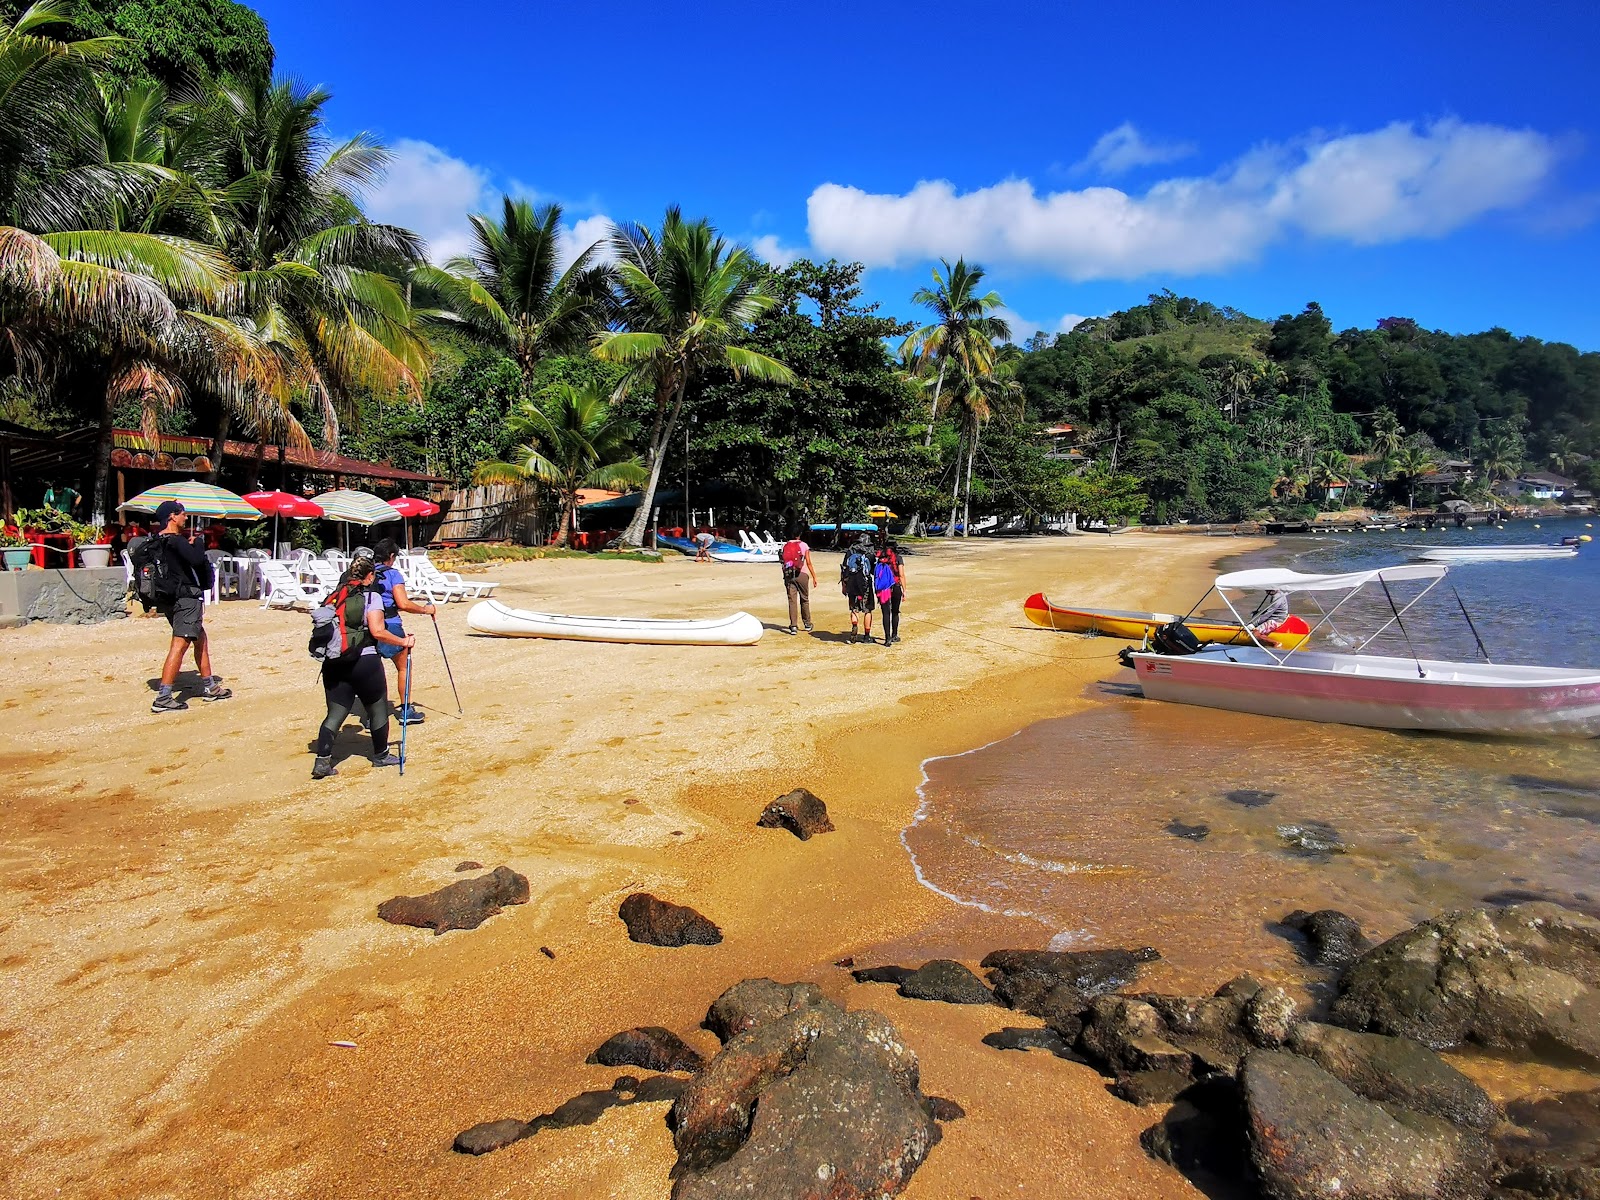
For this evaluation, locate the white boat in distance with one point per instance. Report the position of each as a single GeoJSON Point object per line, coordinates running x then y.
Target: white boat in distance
{"type": "Point", "coordinates": [1472, 554]}
{"type": "Point", "coordinates": [498, 620]}
{"type": "Point", "coordinates": [1379, 691]}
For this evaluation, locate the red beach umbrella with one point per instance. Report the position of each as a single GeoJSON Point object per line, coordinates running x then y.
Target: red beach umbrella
{"type": "Point", "coordinates": [282, 504]}
{"type": "Point", "coordinates": [410, 506]}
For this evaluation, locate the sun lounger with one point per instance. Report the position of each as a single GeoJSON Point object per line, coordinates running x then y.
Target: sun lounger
{"type": "Point", "coordinates": [281, 589]}
{"type": "Point", "coordinates": [437, 585]}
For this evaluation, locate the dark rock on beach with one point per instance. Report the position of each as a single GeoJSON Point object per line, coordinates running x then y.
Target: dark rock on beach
{"type": "Point", "coordinates": [1550, 1147]}
{"type": "Point", "coordinates": [650, 1047]}
{"type": "Point", "coordinates": [1311, 1137]}
{"type": "Point", "coordinates": [469, 865]}
{"type": "Point", "coordinates": [942, 1109]}
{"type": "Point", "coordinates": [1029, 979]}
{"type": "Point", "coordinates": [463, 905]}
{"type": "Point", "coordinates": [1312, 839]}
{"type": "Point", "coordinates": [946, 980]}
{"type": "Point", "coordinates": [1203, 1136]}
{"type": "Point", "coordinates": [1151, 1087]}
{"type": "Point", "coordinates": [489, 1136]}
{"type": "Point", "coordinates": [1125, 1036]}
{"type": "Point", "coordinates": [1193, 833]}
{"type": "Point", "coordinates": [583, 1109]}
{"type": "Point", "coordinates": [894, 975]}
{"type": "Point", "coordinates": [756, 1002]}
{"type": "Point", "coordinates": [1397, 1071]}
{"type": "Point", "coordinates": [658, 923]}
{"type": "Point", "coordinates": [1047, 1039]}
{"type": "Point", "coordinates": [810, 1104]}
{"type": "Point", "coordinates": [1522, 977]}
{"type": "Point", "coordinates": [800, 812]}
{"type": "Point", "coordinates": [1332, 939]}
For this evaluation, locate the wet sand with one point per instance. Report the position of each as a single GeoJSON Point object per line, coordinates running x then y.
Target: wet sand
{"type": "Point", "coordinates": [187, 920]}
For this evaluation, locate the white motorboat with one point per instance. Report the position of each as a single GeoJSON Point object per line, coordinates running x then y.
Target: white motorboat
{"type": "Point", "coordinates": [498, 620]}
{"type": "Point", "coordinates": [1380, 691]}
{"type": "Point", "coordinates": [1475, 554]}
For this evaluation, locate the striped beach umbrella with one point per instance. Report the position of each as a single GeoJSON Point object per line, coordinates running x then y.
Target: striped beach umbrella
{"type": "Point", "coordinates": [198, 499]}
{"type": "Point", "coordinates": [355, 508]}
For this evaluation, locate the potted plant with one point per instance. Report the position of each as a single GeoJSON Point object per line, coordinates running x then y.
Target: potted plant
{"type": "Point", "coordinates": [15, 547]}
{"type": "Point", "coordinates": [94, 548]}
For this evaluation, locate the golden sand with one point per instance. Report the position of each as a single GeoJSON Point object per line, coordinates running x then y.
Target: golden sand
{"type": "Point", "coordinates": [188, 920]}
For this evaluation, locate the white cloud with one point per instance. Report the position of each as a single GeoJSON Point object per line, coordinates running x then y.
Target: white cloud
{"type": "Point", "coordinates": [769, 249]}
{"type": "Point", "coordinates": [430, 192]}
{"type": "Point", "coordinates": [1125, 148]}
{"type": "Point", "coordinates": [1395, 183]}
{"type": "Point", "coordinates": [1022, 328]}
{"type": "Point", "coordinates": [580, 235]}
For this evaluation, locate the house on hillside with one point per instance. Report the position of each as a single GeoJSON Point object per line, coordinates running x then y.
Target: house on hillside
{"type": "Point", "coordinates": [1540, 485]}
{"type": "Point", "coordinates": [1063, 444]}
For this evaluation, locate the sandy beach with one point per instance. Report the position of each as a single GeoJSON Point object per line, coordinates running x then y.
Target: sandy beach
{"type": "Point", "coordinates": [188, 920]}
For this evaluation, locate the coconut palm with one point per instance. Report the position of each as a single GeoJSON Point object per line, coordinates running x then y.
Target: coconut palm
{"type": "Point", "coordinates": [686, 298]}
{"type": "Point", "coordinates": [1387, 433]}
{"type": "Point", "coordinates": [1412, 463]}
{"type": "Point", "coordinates": [977, 399]}
{"type": "Point", "coordinates": [965, 331]}
{"type": "Point", "coordinates": [1563, 453]}
{"type": "Point", "coordinates": [571, 439]}
{"type": "Point", "coordinates": [1500, 457]}
{"type": "Point", "coordinates": [511, 291]}
{"type": "Point", "coordinates": [1330, 469]}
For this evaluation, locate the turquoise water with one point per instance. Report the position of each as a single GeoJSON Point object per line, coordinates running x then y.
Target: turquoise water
{"type": "Point", "coordinates": [1087, 829]}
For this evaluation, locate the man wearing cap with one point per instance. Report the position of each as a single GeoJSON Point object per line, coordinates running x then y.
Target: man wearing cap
{"type": "Point", "coordinates": [190, 566]}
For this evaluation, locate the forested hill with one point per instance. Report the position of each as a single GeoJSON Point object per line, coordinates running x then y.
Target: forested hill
{"type": "Point", "coordinates": [1213, 408]}
{"type": "Point", "coordinates": [179, 43]}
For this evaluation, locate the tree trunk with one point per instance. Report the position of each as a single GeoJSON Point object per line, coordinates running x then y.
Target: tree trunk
{"type": "Point", "coordinates": [219, 444]}
{"type": "Point", "coordinates": [955, 489]}
{"type": "Point", "coordinates": [564, 520]}
{"type": "Point", "coordinates": [659, 437]}
{"type": "Point", "coordinates": [966, 510]}
{"type": "Point", "coordinates": [102, 459]}
{"type": "Point", "coordinates": [933, 410]}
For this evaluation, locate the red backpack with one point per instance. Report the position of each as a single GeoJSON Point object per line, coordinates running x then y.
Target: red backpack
{"type": "Point", "coordinates": [794, 556]}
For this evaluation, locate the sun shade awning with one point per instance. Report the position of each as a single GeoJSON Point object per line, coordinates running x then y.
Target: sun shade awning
{"type": "Point", "coordinates": [1294, 581]}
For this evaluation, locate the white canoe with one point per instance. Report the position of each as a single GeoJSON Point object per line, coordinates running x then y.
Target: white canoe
{"type": "Point", "coordinates": [1471, 554]}
{"type": "Point", "coordinates": [496, 619]}
{"type": "Point", "coordinates": [1381, 691]}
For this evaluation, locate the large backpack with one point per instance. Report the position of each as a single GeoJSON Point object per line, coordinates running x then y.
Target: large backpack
{"type": "Point", "coordinates": [793, 558]}
{"type": "Point", "coordinates": [155, 579]}
{"type": "Point", "coordinates": [334, 635]}
{"type": "Point", "coordinates": [856, 570]}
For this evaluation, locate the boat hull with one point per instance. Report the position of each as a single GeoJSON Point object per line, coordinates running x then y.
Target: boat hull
{"type": "Point", "coordinates": [498, 620]}
{"type": "Point", "coordinates": [1472, 554]}
{"type": "Point", "coordinates": [1136, 626]}
{"type": "Point", "coordinates": [720, 551]}
{"type": "Point", "coordinates": [1374, 691]}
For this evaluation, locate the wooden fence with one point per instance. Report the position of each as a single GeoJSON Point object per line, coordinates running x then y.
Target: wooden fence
{"type": "Point", "coordinates": [489, 514]}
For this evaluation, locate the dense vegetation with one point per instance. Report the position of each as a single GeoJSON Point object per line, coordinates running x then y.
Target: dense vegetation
{"type": "Point", "coordinates": [204, 265]}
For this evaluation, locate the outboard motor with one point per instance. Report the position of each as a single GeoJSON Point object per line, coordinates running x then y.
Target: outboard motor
{"type": "Point", "coordinates": [1174, 638]}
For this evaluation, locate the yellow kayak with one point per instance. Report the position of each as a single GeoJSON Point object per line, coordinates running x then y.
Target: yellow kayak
{"type": "Point", "coordinates": [1136, 626]}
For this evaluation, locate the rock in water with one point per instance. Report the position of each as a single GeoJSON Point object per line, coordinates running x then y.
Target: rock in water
{"type": "Point", "coordinates": [1193, 833]}
{"type": "Point", "coordinates": [1312, 1138]}
{"type": "Point", "coordinates": [1332, 939]}
{"type": "Point", "coordinates": [1551, 1147]}
{"type": "Point", "coordinates": [946, 980]}
{"type": "Point", "coordinates": [463, 905]}
{"type": "Point", "coordinates": [1395, 1071]}
{"type": "Point", "coordinates": [1523, 977]}
{"type": "Point", "coordinates": [1251, 798]}
{"type": "Point", "coordinates": [816, 1104]}
{"type": "Point", "coordinates": [800, 812]}
{"type": "Point", "coordinates": [1026, 979]}
{"type": "Point", "coordinates": [658, 923]}
{"type": "Point", "coordinates": [754, 1002]}
{"type": "Point", "coordinates": [650, 1047]}
{"type": "Point", "coordinates": [1312, 839]}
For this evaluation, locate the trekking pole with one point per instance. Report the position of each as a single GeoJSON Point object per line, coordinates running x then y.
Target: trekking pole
{"type": "Point", "coordinates": [405, 712]}
{"type": "Point", "coordinates": [447, 670]}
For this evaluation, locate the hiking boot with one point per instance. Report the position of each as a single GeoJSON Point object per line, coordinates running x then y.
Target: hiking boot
{"type": "Point", "coordinates": [867, 637]}
{"type": "Point", "coordinates": [408, 714]}
{"type": "Point", "coordinates": [323, 767]}
{"type": "Point", "coordinates": [808, 628]}
{"type": "Point", "coordinates": [388, 760]}
{"type": "Point", "coordinates": [171, 702]}
{"type": "Point", "coordinates": [216, 692]}
{"type": "Point", "coordinates": [791, 631]}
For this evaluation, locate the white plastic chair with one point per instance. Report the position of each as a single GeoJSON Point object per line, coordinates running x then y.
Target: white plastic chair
{"type": "Point", "coordinates": [324, 574]}
{"type": "Point", "coordinates": [127, 566]}
{"type": "Point", "coordinates": [281, 589]}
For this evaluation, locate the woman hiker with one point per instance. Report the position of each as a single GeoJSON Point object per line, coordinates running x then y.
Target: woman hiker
{"type": "Point", "coordinates": [889, 579]}
{"type": "Point", "coordinates": [357, 674]}
{"type": "Point", "coordinates": [392, 586]}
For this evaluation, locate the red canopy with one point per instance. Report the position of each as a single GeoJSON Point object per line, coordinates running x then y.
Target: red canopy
{"type": "Point", "coordinates": [410, 506]}
{"type": "Point", "coordinates": [282, 504]}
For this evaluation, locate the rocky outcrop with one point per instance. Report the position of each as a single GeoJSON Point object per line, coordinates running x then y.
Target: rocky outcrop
{"type": "Point", "coordinates": [1393, 1070]}
{"type": "Point", "coordinates": [1550, 1148]}
{"type": "Point", "coordinates": [1333, 940]}
{"type": "Point", "coordinates": [463, 905]}
{"type": "Point", "coordinates": [1522, 977]}
{"type": "Point", "coordinates": [1047, 1039]}
{"type": "Point", "coordinates": [800, 812]}
{"type": "Point", "coordinates": [658, 923]}
{"type": "Point", "coordinates": [812, 1104]}
{"type": "Point", "coordinates": [650, 1047]}
{"type": "Point", "coordinates": [946, 980]}
{"type": "Point", "coordinates": [1052, 983]}
{"type": "Point", "coordinates": [755, 1002]}
{"type": "Point", "coordinates": [1311, 1137]}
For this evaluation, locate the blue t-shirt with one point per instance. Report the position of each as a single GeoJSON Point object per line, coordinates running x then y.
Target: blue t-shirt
{"type": "Point", "coordinates": [386, 580]}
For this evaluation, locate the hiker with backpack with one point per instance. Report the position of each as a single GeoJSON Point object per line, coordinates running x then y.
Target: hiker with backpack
{"type": "Point", "coordinates": [392, 587]}
{"type": "Point", "coordinates": [346, 632]}
{"type": "Point", "coordinates": [889, 581]}
{"type": "Point", "coordinates": [172, 575]}
{"type": "Point", "coordinates": [797, 566]}
{"type": "Point", "coordinates": [855, 581]}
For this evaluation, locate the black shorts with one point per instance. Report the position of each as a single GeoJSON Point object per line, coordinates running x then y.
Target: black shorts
{"type": "Point", "coordinates": [861, 602]}
{"type": "Point", "coordinates": [184, 615]}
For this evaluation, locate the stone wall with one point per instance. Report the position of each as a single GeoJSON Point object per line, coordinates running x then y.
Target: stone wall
{"type": "Point", "coordinates": [82, 596]}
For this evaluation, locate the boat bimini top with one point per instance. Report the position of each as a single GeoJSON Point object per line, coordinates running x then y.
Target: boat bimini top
{"type": "Point", "coordinates": [1350, 582]}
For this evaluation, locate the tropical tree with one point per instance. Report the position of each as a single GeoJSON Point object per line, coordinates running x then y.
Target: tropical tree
{"type": "Point", "coordinates": [511, 291]}
{"type": "Point", "coordinates": [686, 301]}
{"type": "Point", "coordinates": [1387, 434]}
{"type": "Point", "coordinates": [978, 398]}
{"type": "Point", "coordinates": [1563, 453]}
{"type": "Point", "coordinates": [1330, 469]}
{"type": "Point", "coordinates": [1500, 457]}
{"type": "Point", "coordinates": [965, 331]}
{"type": "Point", "coordinates": [571, 439]}
{"type": "Point", "coordinates": [1411, 464]}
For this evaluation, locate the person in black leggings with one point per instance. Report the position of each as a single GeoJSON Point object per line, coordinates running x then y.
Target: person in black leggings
{"type": "Point", "coordinates": [889, 555]}
{"type": "Point", "coordinates": [359, 676]}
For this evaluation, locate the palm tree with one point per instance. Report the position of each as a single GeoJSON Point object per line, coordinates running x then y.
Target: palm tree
{"type": "Point", "coordinates": [1500, 457]}
{"type": "Point", "coordinates": [965, 331]}
{"type": "Point", "coordinates": [686, 299]}
{"type": "Point", "coordinates": [1330, 469]}
{"type": "Point", "coordinates": [1412, 463]}
{"type": "Point", "coordinates": [572, 440]}
{"type": "Point", "coordinates": [1564, 453]}
{"type": "Point", "coordinates": [511, 292]}
{"type": "Point", "coordinates": [1387, 433]}
{"type": "Point", "coordinates": [978, 399]}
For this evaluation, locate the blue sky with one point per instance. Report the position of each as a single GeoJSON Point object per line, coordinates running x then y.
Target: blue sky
{"type": "Point", "coordinates": [1434, 161]}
